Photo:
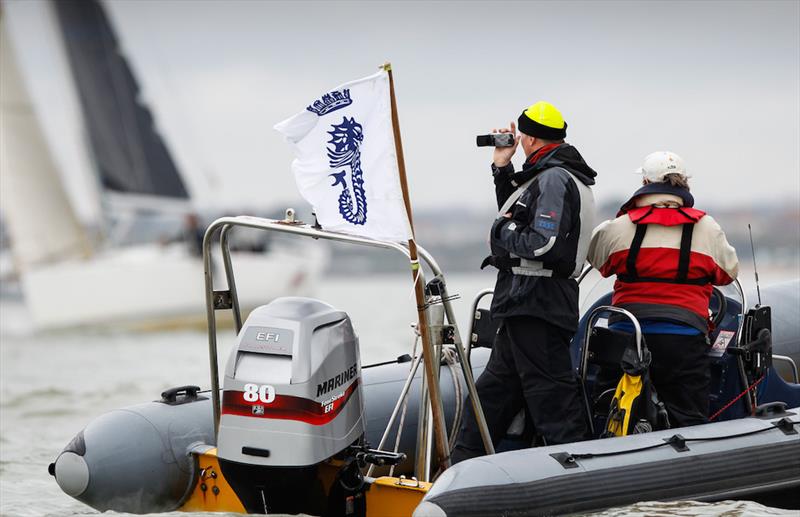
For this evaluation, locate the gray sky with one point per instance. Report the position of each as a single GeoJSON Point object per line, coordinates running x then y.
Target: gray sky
{"type": "Point", "coordinates": [716, 82]}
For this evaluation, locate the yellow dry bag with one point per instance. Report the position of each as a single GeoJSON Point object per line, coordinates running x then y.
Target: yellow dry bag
{"type": "Point", "coordinates": [626, 398]}
{"type": "Point", "coordinates": [635, 407]}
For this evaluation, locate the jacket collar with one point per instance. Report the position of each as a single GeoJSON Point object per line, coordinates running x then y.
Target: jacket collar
{"type": "Point", "coordinates": [536, 162]}
{"type": "Point", "coordinates": [659, 200]}
{"type": "Point", "coordinates": [541, 153]}
{"type": "Point", "coordinates": [657, 188]}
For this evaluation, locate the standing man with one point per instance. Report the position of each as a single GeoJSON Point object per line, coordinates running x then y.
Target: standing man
{"type": "Point", "coordinates": [538, 244]}
{"type": "Point", "coordinates": [667, 255]}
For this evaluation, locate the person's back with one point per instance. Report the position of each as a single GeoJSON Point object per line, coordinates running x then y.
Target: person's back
{"type": "Point", "coordinates": [644, 289]}
{"type": "Point", "coordinates": [667, 255]}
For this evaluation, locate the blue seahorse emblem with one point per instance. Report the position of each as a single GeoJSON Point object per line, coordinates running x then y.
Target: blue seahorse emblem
{"type": "Point", "coordinates": [346, 139]}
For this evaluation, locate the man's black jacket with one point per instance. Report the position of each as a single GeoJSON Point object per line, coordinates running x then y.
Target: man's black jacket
{"type": "Point", "coordinates": [545, 226]}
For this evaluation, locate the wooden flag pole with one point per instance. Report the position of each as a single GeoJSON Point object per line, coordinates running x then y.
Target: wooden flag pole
{"type": "Point", "coordinates": [439, 431]}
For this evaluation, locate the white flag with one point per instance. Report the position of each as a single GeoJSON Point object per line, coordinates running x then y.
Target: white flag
{"type": "Point", "coordinates": [346, 163]}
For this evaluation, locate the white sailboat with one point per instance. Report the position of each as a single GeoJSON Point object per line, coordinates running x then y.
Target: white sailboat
{"type": "Point", "coordinates": [68, 277]}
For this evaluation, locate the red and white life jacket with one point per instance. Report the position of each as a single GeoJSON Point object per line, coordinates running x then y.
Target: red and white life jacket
{"type": "Point", "coordinates": [666, 258]}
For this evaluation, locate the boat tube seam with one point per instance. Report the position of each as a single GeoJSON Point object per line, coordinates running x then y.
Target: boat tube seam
{"type": "Point", "coordinates": [659, 480]}
{"type": "Point", "coordinates": [744, 492]}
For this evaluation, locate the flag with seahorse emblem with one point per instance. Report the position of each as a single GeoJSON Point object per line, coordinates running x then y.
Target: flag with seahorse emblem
{"type": "Point", "coordinates": [345, 160]}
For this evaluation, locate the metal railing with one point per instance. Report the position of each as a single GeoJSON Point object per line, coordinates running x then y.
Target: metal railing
{"type": "Point", "coordinates": [789, 361]}
{"type": "Point", "coordinates": [595, 314]}
{"type": "Point", "coordinates": [229, 299]}
{"type": "Point", "coordinates": [473, 313]}
{"type": "Point", "coordinates": [739, 337]}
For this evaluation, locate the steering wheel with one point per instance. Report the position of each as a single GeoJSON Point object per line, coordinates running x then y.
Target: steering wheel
{"type": "Point", "coordinates": [721, 306]}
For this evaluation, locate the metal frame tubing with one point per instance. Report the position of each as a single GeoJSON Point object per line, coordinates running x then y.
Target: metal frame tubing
{"type": "Point", "coordinates": [425, 438]}
{"type": "Point", "coordinates": [739, 337]}
{"type": "Point", "coordinates": [585, 349]}
{"type": "Point", "coordinates": [788, 360]}
{"type": "Point", "coordinates": [586, 269]}
{"type": "Point", "coordinates": [474, 309]}
{"type": "Point", "coordinates": [742, 314]}
{"type": "Point", "coordinates": [466, 368]}
{"type": "Point", "coordinates": [223, 225]}
{"type": "Point", "coordinates": [226, 259]}
{"type": "Point", "coordinates": [590, 324]}
{"type": "Point", "coordinates": [403, 394]}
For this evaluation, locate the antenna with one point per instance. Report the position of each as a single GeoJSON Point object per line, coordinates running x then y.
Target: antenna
{"type": "Point", "coordinates": [755, 270]}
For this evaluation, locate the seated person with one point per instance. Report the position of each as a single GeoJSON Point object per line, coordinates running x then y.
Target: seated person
{"type": "Point", "coordinates": [667, 255]}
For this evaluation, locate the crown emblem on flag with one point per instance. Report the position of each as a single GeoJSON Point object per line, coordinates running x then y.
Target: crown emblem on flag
{"type": "Point", "coordinates": [331, 102]}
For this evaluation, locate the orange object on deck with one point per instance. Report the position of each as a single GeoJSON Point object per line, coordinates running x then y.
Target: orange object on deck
{"type": "Point", "coordinates": [395, 497]}
{"type": "Point", "coordinates": [212, 493]}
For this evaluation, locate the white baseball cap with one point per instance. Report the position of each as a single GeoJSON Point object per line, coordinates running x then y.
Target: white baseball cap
{"type": "Point", "coordinates": [659, 164]}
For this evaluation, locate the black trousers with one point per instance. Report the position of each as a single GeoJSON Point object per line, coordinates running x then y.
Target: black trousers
{"type": "Point", "coordinates": [529, 366]}
{"type": "Point", "coordinates": [680, 371]}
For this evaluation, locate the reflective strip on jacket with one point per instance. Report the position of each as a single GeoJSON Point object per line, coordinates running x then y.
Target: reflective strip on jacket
{"type": "Point", "coordinates": [549, 231]}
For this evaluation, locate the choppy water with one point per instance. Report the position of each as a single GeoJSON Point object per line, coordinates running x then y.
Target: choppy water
{"type": "Point", "coordinates": [53, 384]}
{"type": "Point", "coordinates": [694, 509]}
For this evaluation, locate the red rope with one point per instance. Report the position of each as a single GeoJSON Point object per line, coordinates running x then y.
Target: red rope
{"type": "Point", "coordinates": [740, 395]}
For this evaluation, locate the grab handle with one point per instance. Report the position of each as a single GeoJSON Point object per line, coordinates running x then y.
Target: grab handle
{"type": "Point", "coordinates": [171, 395]}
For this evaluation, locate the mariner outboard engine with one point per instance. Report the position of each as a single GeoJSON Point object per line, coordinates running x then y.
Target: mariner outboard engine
{"type": "Point", "coordinates": [292, 417]}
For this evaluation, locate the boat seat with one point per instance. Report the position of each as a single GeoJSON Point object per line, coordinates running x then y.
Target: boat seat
{"type": "Point", "coordinates": [599, 353]}
{"type": "Point", "coordinates": [484, 329]}
{"type": "Point", "coordinates": [604, 354]}
{"type": "Point", "coordinates": [606, 346]}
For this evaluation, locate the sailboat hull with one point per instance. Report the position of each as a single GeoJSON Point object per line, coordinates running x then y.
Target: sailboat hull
{"type": "Point", "coordinates": [155, 287]}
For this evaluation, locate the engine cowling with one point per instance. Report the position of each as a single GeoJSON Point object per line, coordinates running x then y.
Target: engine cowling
{"type": "Point", "coordinates": [291, 401]}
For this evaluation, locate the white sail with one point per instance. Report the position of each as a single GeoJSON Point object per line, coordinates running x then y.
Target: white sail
{"type": "Point", "coordinates": [40, 219]}
{"type": "Point", "coordinates": [143, 285]}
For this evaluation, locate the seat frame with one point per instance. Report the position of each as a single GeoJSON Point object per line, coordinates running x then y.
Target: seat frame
{"type": "Point", "coordinates": [584, 361]}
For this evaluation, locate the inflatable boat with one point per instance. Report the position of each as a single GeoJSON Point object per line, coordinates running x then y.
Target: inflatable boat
{"type": "Point", "coordinates": [300, 426]}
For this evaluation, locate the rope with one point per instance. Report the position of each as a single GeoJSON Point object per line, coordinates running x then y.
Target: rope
{"type": "Point", "coordinates": [405, 401]}
{"type": "Point", "coordinates": [451, 359]}
{"type": "Point", "coordinates": [590, 455]}
{"type": "Point", "coordinates": [740, 395]}
{"type": "Point", "coordinates": [415, 267]}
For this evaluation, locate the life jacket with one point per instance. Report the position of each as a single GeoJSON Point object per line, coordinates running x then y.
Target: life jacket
{"type": "Point", "coordinates": [642, 217]}
{"type": "Point", "coordinates": [647, 278]}
{"type": "Point", "coordinates": [666, 257]}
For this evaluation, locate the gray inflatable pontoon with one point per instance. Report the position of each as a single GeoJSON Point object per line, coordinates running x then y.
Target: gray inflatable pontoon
{"type": "Point", "coordinates": [137, 459]}
{"type": "Point", "coordinates": [755, 458]}
{"type": "Point", "coordinates": [738, 456]}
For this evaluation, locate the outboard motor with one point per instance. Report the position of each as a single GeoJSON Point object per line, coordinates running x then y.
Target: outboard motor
{"type": "Point", "coordinates": [292, 417]}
